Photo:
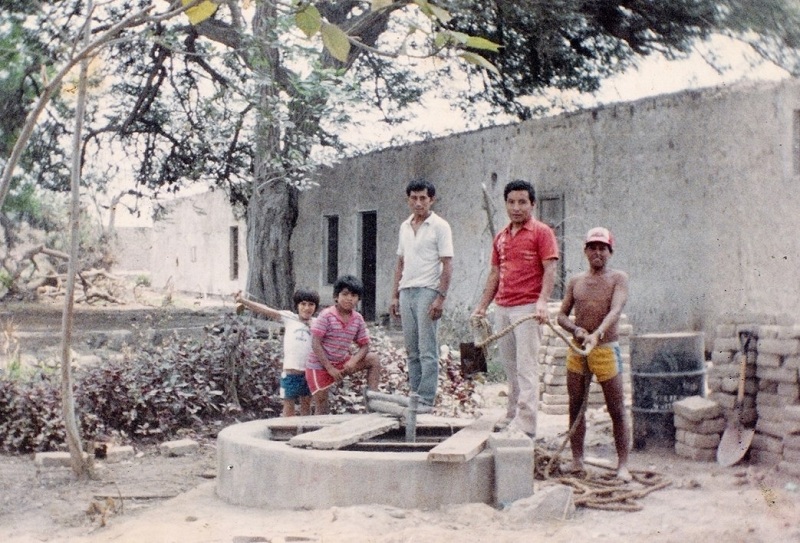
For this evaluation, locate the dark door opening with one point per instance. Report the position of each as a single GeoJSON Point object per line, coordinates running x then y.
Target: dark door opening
{"type": "Point", "coordinates": [551, 212]}
{"type": "Point", "coordinates": [369, 255]}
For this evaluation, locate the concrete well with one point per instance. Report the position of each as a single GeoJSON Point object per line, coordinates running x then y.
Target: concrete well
{"type": "Point", "coordinates": [256, 469]}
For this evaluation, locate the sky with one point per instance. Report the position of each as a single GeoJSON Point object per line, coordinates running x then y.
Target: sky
{"type": "Point", "coordinates": [733, 61]}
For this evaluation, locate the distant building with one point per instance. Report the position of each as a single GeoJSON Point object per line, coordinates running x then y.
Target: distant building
{"type": "Point", "coordinates": [700, 188]}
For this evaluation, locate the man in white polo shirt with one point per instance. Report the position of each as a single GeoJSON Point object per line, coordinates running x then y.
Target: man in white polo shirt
{"type": "Point", "coordinates": [421, 279]}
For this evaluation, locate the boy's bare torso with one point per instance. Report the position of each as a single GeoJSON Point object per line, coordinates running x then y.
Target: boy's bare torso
{"type": "Point", "coordinates": [593, 294]}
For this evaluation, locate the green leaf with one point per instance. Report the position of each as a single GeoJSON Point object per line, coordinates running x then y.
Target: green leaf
{"type": "Point", "coordinates": [309, 20]}
{"type": "Point", "coordinates": [440, 13]}
{"type": "Point", "coordinates": [474, 58]}
{"type": "Point", "coordinates": [335, 41]}
{"type": "Point", "coordinates": [380, 4]}
{"type": "Point", "coordinates": [200, 12]}
{"type": "Point", "coordinates": [424, 6]}
{"type": "Point", "coordinates": [474, 42]}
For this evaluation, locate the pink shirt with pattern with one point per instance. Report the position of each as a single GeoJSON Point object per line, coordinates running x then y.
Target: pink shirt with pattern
{"type": "Point", "coordinates": [337, 336]}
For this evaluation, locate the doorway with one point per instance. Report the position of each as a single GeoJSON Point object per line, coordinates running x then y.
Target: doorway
{"type": "Point", "coordinates": [369, 254]}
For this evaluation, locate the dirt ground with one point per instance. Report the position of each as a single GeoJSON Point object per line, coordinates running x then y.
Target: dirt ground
{"type": "Point", "coordinates": [173, 500]}
{"type": "Point", "coordinates": [161, 499]}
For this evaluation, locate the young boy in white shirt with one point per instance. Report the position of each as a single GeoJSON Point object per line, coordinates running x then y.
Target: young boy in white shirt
{"type": "Point", "coordinates": [296, 346]}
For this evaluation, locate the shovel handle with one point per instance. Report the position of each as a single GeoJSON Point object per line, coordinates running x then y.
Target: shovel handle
{"type": "Point", "coordinates": [742, 371]}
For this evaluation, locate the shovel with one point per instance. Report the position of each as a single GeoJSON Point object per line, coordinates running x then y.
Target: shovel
{"type": "Point", "coordinates": [736, 439]}
{"type": "Point", "coordinates": [473, 355]}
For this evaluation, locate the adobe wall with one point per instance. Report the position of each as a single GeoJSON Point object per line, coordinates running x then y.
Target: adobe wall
{"type": "Point", "coordinates": [192, 247]}
{"type": "Point", "coordinates": [698, 188]}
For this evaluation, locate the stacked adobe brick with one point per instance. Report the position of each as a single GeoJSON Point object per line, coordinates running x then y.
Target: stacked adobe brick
{"type": "Point", "coordinates": [772, 385]}
{"type": "Point", "coordinates": [553, 368]}
{"type": "Point", "coordinates": [791, 443]}
{"type": "Point", "coordinates": [698, 426]}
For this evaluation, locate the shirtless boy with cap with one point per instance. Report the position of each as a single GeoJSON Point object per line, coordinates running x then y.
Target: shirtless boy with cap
{"type": "Point", "coordinates": [598, 297]}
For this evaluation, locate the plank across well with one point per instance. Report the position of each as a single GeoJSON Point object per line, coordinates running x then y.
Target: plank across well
{"type": "Point", "coordinates": [467, 442]}
{"type": "Point", "coordinates": [351, 431]}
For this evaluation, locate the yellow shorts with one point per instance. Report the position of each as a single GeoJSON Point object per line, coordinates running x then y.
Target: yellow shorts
{"type": "Point", "coordinates": [605, 361]}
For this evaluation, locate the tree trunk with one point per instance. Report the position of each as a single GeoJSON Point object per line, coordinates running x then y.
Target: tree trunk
{"type": "Point", "coordinates": [272, 209]}
{"type": "Point", "coordinates": [81, 467]}
{"type": "Point", "coordinates": [271, 217]}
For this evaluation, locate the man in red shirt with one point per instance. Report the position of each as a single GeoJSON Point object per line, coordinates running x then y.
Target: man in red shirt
{"type": "Point", "coordinates": [521, 279]}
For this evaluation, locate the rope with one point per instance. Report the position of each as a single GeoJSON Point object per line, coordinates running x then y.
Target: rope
{"type": "Point", "coordinates": [484, 323]}
{"type": "Point", "coordinates": [601, 491]}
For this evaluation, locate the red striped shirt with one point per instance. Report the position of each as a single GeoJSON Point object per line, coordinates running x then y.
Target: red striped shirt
{"type": "Point", "coordinates": [337, 336]}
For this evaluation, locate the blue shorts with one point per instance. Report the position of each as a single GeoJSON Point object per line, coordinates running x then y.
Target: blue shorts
{"type": "Point", "coordinates": [293, 385]}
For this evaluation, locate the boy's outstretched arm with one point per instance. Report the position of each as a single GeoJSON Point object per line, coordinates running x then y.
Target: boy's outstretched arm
{"type": "Point", "coordinates": [257, 308]}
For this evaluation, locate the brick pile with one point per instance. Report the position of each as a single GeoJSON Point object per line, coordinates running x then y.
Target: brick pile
{"type": "Point", "coordinates": [698, 428]}
{"type": "Point", "coordinates": [791, 443]}
{"type": "Point", "coordinates": [772, 385]}
{"type": "Point", "coordinates": [553, 369]}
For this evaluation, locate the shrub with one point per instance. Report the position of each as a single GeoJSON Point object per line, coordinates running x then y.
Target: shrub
{"type": "Point", "coordinates": [156, 391]}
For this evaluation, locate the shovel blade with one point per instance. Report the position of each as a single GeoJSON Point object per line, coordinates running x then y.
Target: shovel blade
{"type": "Point", "coordinates": [473, 359]}
{"type": "Point", "coordinates": [734, 445]}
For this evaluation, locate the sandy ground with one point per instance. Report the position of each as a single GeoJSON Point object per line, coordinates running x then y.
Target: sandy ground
{"type": "Point", "coordinates": [704, 502]}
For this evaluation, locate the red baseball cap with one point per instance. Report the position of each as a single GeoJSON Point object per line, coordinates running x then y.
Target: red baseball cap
{"type": "Point", "coordinates": [600, 234]}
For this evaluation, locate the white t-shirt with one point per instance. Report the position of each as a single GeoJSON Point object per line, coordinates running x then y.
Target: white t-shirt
{"type": "Point", "coordinates": [422, 251]}
{"type": "Point", "coordinates": [296, 341]}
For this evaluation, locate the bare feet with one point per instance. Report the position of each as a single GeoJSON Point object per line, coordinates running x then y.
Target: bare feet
{"type": "Point", "coordinates": [623, 474]}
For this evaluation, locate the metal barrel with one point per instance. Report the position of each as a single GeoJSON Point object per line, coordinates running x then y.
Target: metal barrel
{"type": "Point", "coordinates": [665, 368]}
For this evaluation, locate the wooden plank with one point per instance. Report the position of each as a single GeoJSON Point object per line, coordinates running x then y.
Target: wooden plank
{"type": "Point", "coordinates": [467, 443]}
{"type": "Point", "coordinates": [346, 433]}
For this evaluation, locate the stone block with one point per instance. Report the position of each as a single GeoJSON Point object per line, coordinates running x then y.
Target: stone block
{"type": "Point", "coordinates": [555, 399]}
{"type": "Point", "coordinates": [708, 426]}
{"type": "Point", "coordinates": [768, 331]}
{"type": "Point", "coordinates": [556, 390]}
{"type": "Point", "coordinates": [792, 412]}
{"type": "Point", "coordinates": [791, 455]}
{"type": "Point", "coordinates": [780, 375]}
{"type": "Point", "coordinates": [775, 429]}
{"type": "Point", "coordinates": [555, 379]}
{"type": "Point", "coordinates": [119, 454]}
{"type": "Point", "coordinates": [773, 399]}
{"type": "Point", "coordinates": [765, 442]}
{"type": "Point", "coordinates": [696, 408]}
{"type": "Point", "coordinates": [771, 413]}
{"type": "Point", "coordinates": [765, 457]}
{"type": "Point", "coordinates": [699, 441]}
{"type": "Point", "coordinates": [789, 468]}
{"type": "Point", "coordinates": [730, 344]}
{"type": "Point", "coordinates": [789, 390]}
{"type": "Point", "coordinates": [513, 474]}
{"type": "Point", "coordinates": [561, 409]}
{"type": "Point", "coordinates": [781, 347]}
{"type": "Point", "coordinates": [769, 360]}
{"type": "Point", "coordinates": [558, 352]}
{"type": "Point", "coordinates": [499, 440]}
{"type": "Point", "coordinates": [792, 362]}
{"type": "Point", "coordinates": [770, 386]}
{"type": "Point", "coordinates": [179, 447]}
{"type": "Point", "coordinates": [791, 441]}
{"type": "Point", "coordinates": [713, 383]}
{"type": "Point", "coordinates": [552, 503]}
{"type": "Point", "coordinates": [721, 357]}
{"type": "Point", "coordinates": [726, 401]}
{"type": "Point", "coordinates": [52, 459]}
{"type": "Point", "coordinates": [726, 330]}
{"type": "Point", "coordinates": [693, 453]}
{"type": "Point", "coordinates": [558, 370]}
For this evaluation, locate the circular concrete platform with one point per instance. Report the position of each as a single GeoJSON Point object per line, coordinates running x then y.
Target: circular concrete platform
{"type": "Point", "coordinates": [256, 469]}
